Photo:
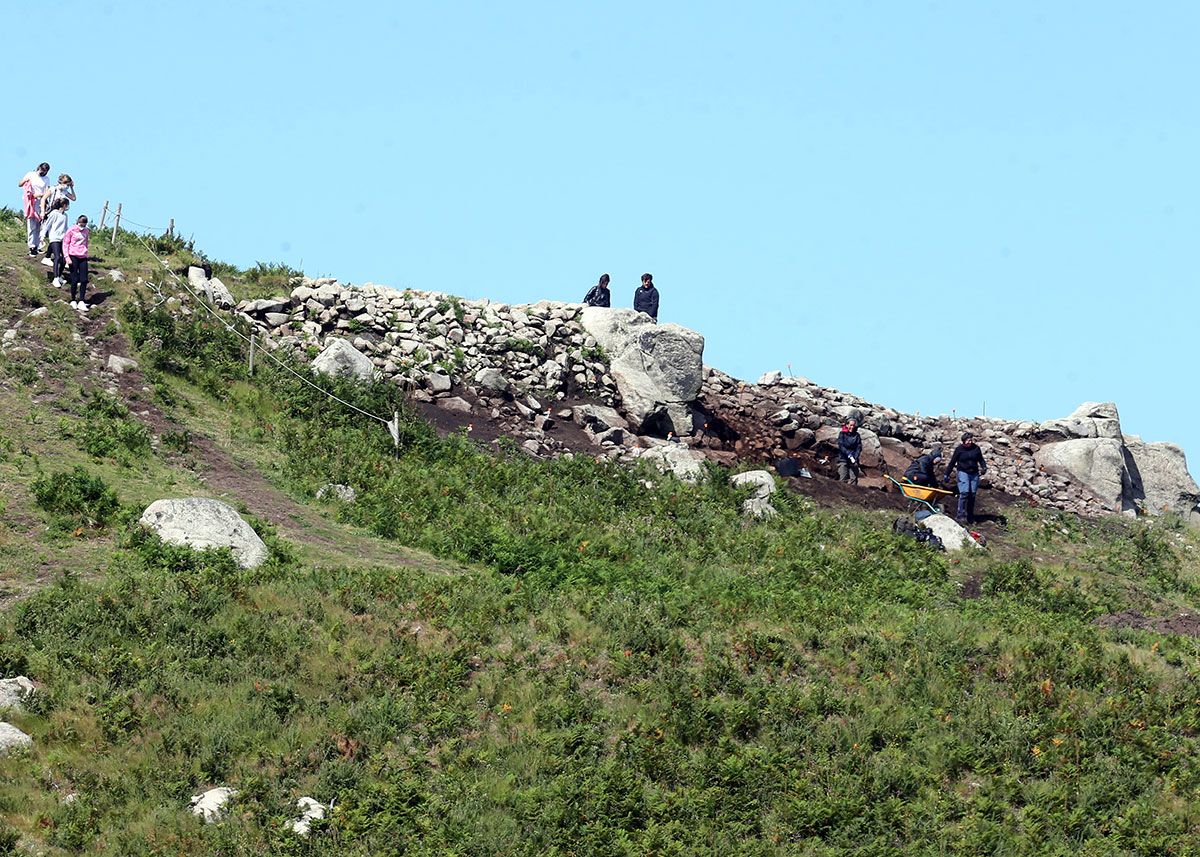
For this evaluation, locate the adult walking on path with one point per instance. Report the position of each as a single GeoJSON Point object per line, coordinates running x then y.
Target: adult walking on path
{"type": "Point", "coordinates": [33, 188]}
{"type": "Point", "coordinates": [75, 245]}
{"type": "Point", "coordinates": [599, 294]}
{"type": "Point", "coordinates": [923, 470]}
{"type": "Point", "coordinates": [968, 458]}
{"type": "Point", "coordinates": [645, 298]}
{"type": "Point", "coordinates": [849, 452]}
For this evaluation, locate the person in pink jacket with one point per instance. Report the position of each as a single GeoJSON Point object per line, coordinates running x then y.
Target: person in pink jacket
{"type": "Point", "coordinates": [75, 248]}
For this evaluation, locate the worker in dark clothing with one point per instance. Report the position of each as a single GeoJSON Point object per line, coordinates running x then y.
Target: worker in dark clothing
{"type": "Point", "coordinates": [599, 295]}
{"type": "Point", "coordinates": [968, 458]}
{"type": "Point", "coordinates": [645, 299]}
{"type": "Point", "coordinates": [923, 470]}
{"type": "Point", "coordinates": [849, 452]}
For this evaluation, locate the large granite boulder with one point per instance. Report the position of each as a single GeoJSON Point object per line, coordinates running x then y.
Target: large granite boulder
{"type": "Point", "coordinates": [1098, 464]}
{"type": "Point", "coordinates": [201, 523]}
{"type": "Point", "coordinates": [1089, 420]}
{"type": "Point", "coordinates": [658, 368]}
{"type": "Point", "coordinates": [1159, 477]}
{"type": "Point", "coordinates": [762, 485]}
{"type": "Point", "coordinates": [340, 359]}
{"type": "Point", "coordinates": [212, 805]}
{"type": "Point", "coordinates": [212, 290]}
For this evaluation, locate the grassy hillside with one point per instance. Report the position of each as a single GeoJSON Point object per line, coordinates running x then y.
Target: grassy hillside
{"type": "Point", "coordinates": [495, 655]}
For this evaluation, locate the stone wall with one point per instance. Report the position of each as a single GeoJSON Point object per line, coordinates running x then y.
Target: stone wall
{"type": "Point", "coordinates": [516, 360]}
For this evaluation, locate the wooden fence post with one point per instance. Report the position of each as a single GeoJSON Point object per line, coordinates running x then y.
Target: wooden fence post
{"type": "Point", "coordinates": [171, 228]}
{"type": "Point", "coordinates": [252, 338]}
{"type": "Point", "coordinates": [104, 214]}
{"type": "Point", "coordinates": [116, 223]}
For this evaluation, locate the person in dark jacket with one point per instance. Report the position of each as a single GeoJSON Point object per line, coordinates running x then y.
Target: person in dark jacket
{"type": "Point", "coordinates": [849, 452]}
{"type": "Point", "coordinates": [599, 294]}
{"type": "Point", "coordinates": [923, 470]}
{"type": "Point", "coordinates": [968, 459]}
{"type": "Point", "coordinates": [645, 299]}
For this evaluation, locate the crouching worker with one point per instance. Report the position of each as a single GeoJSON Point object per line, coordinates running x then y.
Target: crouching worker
{"type": "Point", "coordinates": [968, 458]}
{"type": "Point", "coordinates": [849, 452]}
{"type": "Point", "coordinates": [923, 470]}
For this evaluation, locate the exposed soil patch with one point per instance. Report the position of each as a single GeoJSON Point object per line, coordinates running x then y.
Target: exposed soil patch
{"type": "Point", "coordinates": [1183, 624]}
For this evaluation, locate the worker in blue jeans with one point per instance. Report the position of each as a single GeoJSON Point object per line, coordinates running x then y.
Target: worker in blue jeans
{"type": "Point", "coordinates": [968, 458]}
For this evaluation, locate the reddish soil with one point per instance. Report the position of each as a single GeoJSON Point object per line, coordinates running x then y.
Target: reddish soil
{"type": "Point", "coordinates": [1183, 624]}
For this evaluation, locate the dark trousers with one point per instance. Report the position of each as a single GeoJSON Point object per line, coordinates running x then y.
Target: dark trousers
{"type": "Point", "coordinates": [55, 252]}
{"type": "Point", "coordinates": [79, 277]}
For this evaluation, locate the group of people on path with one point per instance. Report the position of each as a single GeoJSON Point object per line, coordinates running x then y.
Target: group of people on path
{"type": "Point", "coordinates": [967, 459]}
{"type": "Point", "coordinates": [645, 297]}
{"type": "Point", "coordinates": [66, 248]}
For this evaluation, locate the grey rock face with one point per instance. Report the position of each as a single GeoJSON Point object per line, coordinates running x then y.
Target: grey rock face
{"type": "Point", "coordinates": [341, 359]}
{"type": "Point", "coordinates": [1098, 464]}
{"type": "Point", "coordinates": [1159, 477]}
{"type": "Point", "coordinates": [201, 523]}
{"type": "Point", "coordinates": [762, 484]}
{"type": "Point", "coordinates": [491, 378]}
{"type": "Point", "coordinates": [1089, 420]}
{"type": "Point", "coordinates": [653, 365]}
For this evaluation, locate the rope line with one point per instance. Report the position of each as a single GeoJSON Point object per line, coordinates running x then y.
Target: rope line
{"type": "Point", "coordinates": [238, 333]}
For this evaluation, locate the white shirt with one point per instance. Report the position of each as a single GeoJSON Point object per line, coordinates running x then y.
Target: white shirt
{"type": "Point", "coordinates": [38, 183]}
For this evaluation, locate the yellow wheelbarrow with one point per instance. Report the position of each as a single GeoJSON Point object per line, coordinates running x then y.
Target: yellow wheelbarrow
{"type": "Point", "coordinates": [921, 494]}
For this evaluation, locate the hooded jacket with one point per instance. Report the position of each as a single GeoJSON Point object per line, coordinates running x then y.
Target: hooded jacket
{"type": "Point", "coordinates": [646, 300]}
{"type": "Point", "coordinates": [923, 471]}
{"type": "Point", "coordinates": [849, 445]}
{"type": "Point", "coordinates": [598, 296]}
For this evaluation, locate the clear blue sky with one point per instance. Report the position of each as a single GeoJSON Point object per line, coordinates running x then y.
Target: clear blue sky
{"type": "Point", "coordinates": [932, 205]}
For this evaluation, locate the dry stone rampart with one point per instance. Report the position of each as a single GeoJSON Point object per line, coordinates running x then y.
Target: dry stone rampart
{"type": "Point", "coordinates": [486, 358]}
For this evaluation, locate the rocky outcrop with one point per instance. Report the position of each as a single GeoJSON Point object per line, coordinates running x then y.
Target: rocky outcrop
{"type": "Point", "coordinates": [1159, 478]}
{"type": "Point", "coordinates": [340, 359]}
{"type": "Point", "coordinates": [211, 289]}
{"type": "Point", "coordinates": [202, 524]}
{"type": "Point", "coordinates": [677, 459]}
{"type": "Point", "coordinates": [311, 810]}
{"type": "Point", "coordinates": [1096, 463]}
{"type": "Point", "coordinates": [658, 368]}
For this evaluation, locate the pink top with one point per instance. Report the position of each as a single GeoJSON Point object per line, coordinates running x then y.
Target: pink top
{"type": "Point", "coordinates": [75, 242]}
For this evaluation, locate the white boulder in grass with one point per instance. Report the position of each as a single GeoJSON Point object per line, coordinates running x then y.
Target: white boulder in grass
{"type": "Point", "coordinates": [211, 805]}
{"type": "Point", "coordinates": [762, 484]}
{"type": "Point", "coordinates": [203, 524]}
{"type": "Point", "coordinates": [954, 537]}
{"type": "Point", "coordinates": [14, 692]}
{"type": "Point", "coordinates": [13, 740]}
{"type": "Point", "coordinates": [310, 810]}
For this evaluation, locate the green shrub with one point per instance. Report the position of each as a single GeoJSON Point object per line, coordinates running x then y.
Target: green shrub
{"type": "Point", "coordinates": [76, 497]}
{"type": "Point", "coordinates": [110, 431]}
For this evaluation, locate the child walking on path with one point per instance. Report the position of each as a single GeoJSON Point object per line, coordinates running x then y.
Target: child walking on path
{"type": "Point", "coordinates": [55, 229]}
{"type": "Point", "coordinates": [75, 244]}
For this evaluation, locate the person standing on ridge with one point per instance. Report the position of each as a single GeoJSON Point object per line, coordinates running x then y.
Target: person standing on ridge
{"type": "Point", "coordinates": [599, 295]}
{"type": "Point", "coordinates": [849, 452]}
{"type": "Point", "coordinates": [75, 244]}
{"type": "Point", "coordinates": [645, 298]}
{"type": "Point", "coordinates": [33, 185]}
{"type": "Point", "coordinates": [923, 470]}
{"type": "Point", "coordinates": [968, 458]}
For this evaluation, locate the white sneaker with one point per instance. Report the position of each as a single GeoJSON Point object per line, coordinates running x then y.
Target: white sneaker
{"type": "Point", "coordinates": [47, 261]}
{"type": "Point", "coordinates": [74, 304]}
{"type": "Point", "coordinates": [83, 307]}
{"type": "Point", "coordinates": [57, 282]}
